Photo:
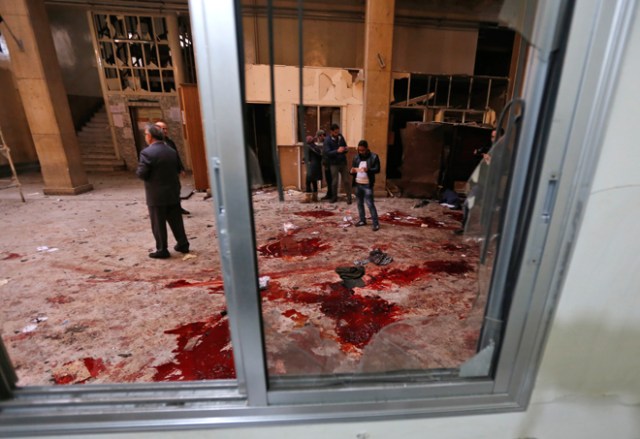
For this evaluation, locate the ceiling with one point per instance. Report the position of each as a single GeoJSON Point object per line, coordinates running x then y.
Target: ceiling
{"type": "Point", "coordinates": [434, 12]}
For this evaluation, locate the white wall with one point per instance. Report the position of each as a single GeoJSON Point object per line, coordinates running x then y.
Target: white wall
{"type": "Point", "coordinates": [589, 382]}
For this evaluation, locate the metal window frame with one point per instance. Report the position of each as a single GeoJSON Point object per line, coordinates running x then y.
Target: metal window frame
{"type": "Point", "coordinates": [594, 52]}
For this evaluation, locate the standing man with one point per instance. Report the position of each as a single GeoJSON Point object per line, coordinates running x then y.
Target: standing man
{"type": "Point", "coordinates": [320, 137]}
{"type": "Point", "coordinates": [165, 130]}
{"type": "Point", "coordinates": [159, 167]}
{"type": "Point", "coordinates": [335, 147]}
{"type": "Point", "coordinates": [312, 160]}
{"type": "Point", "coordinates": [364, 168]}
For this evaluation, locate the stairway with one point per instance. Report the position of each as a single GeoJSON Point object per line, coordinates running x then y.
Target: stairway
{"type": "Point", "coordinates": [96, 147]}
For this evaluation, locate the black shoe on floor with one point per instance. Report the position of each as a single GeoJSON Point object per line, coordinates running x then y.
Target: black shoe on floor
{"type": "Point", "coordinates": [376, 227]}
{"type": "Point", "coordinates": [349, 201]}
{"type": "Point", "coordinates": [361, 223]}
{"type": "Point", "coordinates": [181, 249]}
{"type": "Point", "coordinates": [326, 197]}
{"type": "Point", "coordinates": [160, 254]}
{"type": "Point", "coordinates": [333, 200]}
{"type": "Point", "coordinates": [184, 211]}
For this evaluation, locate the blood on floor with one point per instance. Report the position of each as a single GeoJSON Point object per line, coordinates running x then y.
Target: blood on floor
{"type": "Point", "coordinates": [288, 246]}
{"type": "Point", "coordinates": [203, 353]}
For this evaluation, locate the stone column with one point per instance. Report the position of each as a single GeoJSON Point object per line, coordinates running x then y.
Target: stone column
{"type": "Point", "coordinates": [37, 73]}
{"type": "Point", "coordinates": [378, 54]}
{"type": "Point", "coordinates": [174, 45]}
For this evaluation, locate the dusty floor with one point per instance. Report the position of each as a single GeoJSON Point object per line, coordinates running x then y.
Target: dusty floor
{"type": "Point", "coordinates": [82, 302]}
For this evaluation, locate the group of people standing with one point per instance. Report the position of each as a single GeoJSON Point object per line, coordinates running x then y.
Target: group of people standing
{"type": "Point", "coordinates": [330, 152]}
{"type": "Point", "coordinates": [160, 167]}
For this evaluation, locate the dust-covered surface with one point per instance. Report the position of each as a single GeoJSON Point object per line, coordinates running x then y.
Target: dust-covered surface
{"type": "Point", "coordinates": [83, 303]}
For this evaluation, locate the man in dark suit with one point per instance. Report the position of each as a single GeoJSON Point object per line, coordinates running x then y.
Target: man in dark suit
{"type": "Point", "coordinates": [159, 168]}
{"type": "Point", "coordinates": [165, 130]}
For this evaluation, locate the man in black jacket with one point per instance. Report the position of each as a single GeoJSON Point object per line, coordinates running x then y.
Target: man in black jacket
{"type": "Point", "coordinates": [159, 167]}
{"type": "Point", "coordinates": [364, 168]}
{"type": "Point", "coordinates": [335, 148]}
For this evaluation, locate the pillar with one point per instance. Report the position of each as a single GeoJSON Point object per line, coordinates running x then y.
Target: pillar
{"type": "Point", "coordinates": [39, 80]}
{"type": "Point", "coordinates": [377, 85]}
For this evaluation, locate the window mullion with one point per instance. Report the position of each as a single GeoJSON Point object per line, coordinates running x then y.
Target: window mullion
{"type": "Point", "coordinates": [219, 78]}
{"type": "Point", "coordinates": [8, 378]}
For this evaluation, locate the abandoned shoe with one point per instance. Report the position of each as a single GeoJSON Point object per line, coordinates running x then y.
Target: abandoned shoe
{"type": "Point", "coordinates": [160, 254]}
{"type": "Point", "coordinates": [361, 223]}
{"type": "Point", "coordinates": [181, 248]}
{"type": "Point", "coordinates": [376, 227]}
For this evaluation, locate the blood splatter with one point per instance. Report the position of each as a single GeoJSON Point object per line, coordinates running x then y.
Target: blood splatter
{"type": "Point", "coordinates": [203, 353]}
{"type": "Point", "coordinates": [11, 256]}
{"type": "Point", "coordinates": [289, 247]}
{"type": "Point", "coordinates": [299, 318]}
{"type": "Point", "coordinates": [274, 291]}
{"type": "Point", "coordinates": [216, 285]}
{"type": "Point", "coordinates": [386, 277]}
{"type": "Point", "coordinates": [59, 299]}
{"type": "Point", "coordinates": [93, 367]}
{"type": "Point", "coordinates": [178, 284]}
{"type": "Point", "coordinates": [315, 213]}
{"type": "Point", "coordinates": [358, 318]}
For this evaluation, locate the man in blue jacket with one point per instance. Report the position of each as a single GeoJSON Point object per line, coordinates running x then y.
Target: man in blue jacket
{"type": "Point", "coordinates": [364, 168]}
{"type": "Point", "coordinates": [335, 148]}
{"type": "Point", "coordinates": [159, 167]}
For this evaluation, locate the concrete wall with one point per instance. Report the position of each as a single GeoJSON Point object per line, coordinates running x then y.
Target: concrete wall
{"type": "Point", "coordinates": [72, 38]}
{"type": "Point", "coordinates": [322, 86]}
{"type": "Point", "coordinates": [341, 44]}
{"type": "Point", "coordinates": [436, 51]}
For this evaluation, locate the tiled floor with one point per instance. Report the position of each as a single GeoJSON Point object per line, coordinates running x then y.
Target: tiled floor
{"type": "Point", "coordinates": [82, 302]}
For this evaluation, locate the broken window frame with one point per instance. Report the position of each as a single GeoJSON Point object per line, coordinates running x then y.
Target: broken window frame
{"type": "Point", "coordinates": [153, 43]}
{"type": "Point", "coordinates": [556, 183]}
{"type": "Point", "coordinates": [318, 109]}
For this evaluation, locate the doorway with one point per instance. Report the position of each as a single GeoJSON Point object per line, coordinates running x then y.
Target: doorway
{"type": "Point", "coordinates": [259, 139]}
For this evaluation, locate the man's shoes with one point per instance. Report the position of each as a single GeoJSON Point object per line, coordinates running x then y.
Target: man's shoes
{"type": "Point", "coordinates": [326, 197]}
{"type": "Point", "coordinates": [184, 211]}
{"type": "Point", "coordinates": [376, 227]}
{"type": "Point", "coordinates": [181, 249]}
{"type": "Point", "coordinates": [160, 254]}
{"type": "Point", "coordinates": [361, 223]}
{"type": "Point", "coordinates": [333, 200]}
{"type": "Point", "coordinates": [349, 200]}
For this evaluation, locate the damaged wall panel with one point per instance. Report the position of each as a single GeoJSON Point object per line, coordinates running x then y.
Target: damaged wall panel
{"type": "Point", "coordinates": [439, 154]}
{"type": "Point", "coordinates": [322, 87]}
{"type": "Point", "coordinates": [423, 145]}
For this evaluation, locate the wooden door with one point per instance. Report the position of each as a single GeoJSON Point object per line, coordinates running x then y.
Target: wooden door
{"type": "Point", "coordinates": [192, 126]}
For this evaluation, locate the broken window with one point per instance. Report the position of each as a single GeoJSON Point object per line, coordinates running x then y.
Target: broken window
{"type": "Point", "coordinates": [318, 118]}
{"type": "Point", "coordinates": [139, 42]}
